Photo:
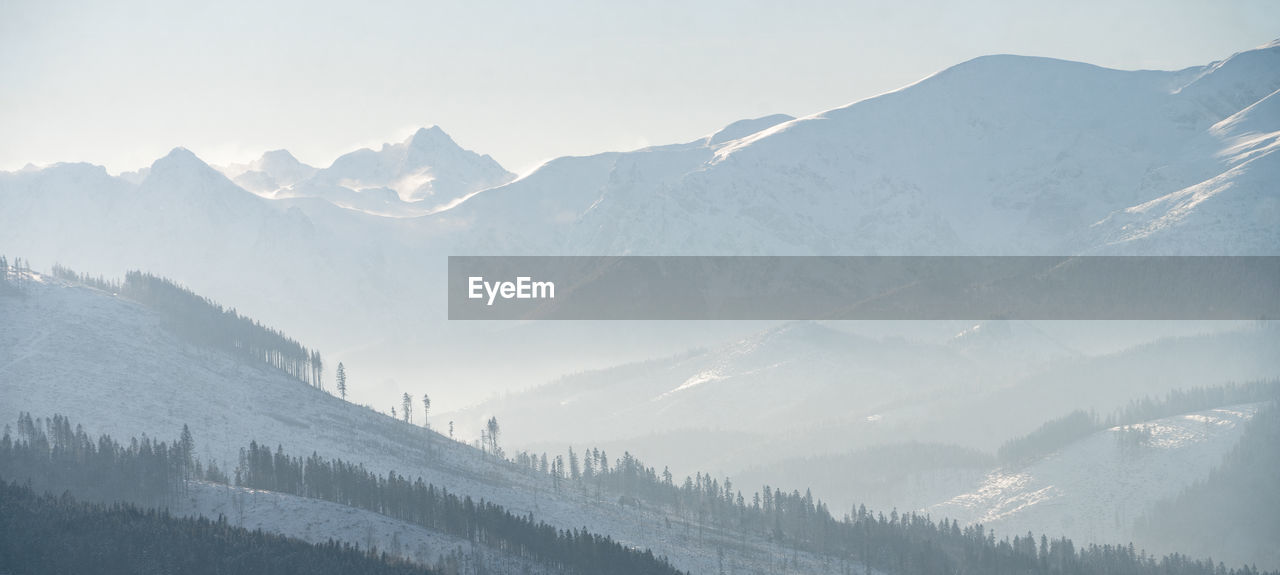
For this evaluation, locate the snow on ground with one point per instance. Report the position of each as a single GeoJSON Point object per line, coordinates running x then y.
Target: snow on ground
{"type": "Point", "coordinates": [108, 364]}
{"type": "Point", "coordinates": [318, 521]}
{"type": "Point", "coordinates": [1093, 489]}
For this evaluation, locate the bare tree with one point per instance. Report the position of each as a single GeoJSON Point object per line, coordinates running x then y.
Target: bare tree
{"type": "Point", "coordinates": [492, 429]}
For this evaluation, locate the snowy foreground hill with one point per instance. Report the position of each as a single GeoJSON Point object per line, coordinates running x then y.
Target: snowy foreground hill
{"type": "Point", "coordinates": [108, 363]}
{"type": "Point", "coordinates": [111, 365]}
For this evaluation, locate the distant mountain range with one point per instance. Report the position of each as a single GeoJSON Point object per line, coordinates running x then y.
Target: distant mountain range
{"type": "Point", "coordinates": [997, 155]}
{"type": "Point", "coordinates": [425, 173]}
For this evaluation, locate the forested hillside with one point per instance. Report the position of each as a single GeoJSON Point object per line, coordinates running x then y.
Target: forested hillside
{"type": "Point", "coordinates": [44, 534]}
{"type": "Point", "coordinates": [53, 456]}
{"type": "Point", "coordinates": [251, 424]}
{"type": "Point", "coordinates": [1235, 511]}
{"type": "Point", "coordinates": [898, 543]}
{"type": "Point", "coordinates": [206, 322]}
{"type": "Point", "coordinates": [1058, 433]}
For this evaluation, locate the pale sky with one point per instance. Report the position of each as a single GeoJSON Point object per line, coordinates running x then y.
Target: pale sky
{"type": "Point", "coordinates": [121, 83]}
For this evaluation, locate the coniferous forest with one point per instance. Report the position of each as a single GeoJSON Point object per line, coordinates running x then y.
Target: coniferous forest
{"type": "Point", "coordinates": [48, 534]}
{"type": "Point", "coordinates": [1077, 424]}
{"type": "Point", "coordinates": [52, 452]}
{"type": "Point", "coordinates": [54, 457]}
{"type": "Point", "coordinates": [1238, 503]}
{"type": "Point", "coordinates": [423, 504]}
{"type": "Point", "coordinates": [206, 322]}
{"type": "Point", "coordinates": [907, 543]}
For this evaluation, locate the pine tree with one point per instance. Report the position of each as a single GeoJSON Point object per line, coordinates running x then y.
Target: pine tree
{"type": "Point", "coordinates": [342, 380]}
{"type": "Point", "coordinates": [426, 407]}
{"type": "Point", "coordinates": [407, 403]}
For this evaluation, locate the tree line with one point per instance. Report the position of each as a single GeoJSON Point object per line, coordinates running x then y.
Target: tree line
{"type": "Point", "coordinates": [420, 503]}
{"type": "Point", "coordinates": [907, 544]}
{"type": "Point", "coordinates": [12, 276]}
{"type": "Point", "coordinates": [48, 534]}
{"type": "Point", "coordinates": [1236, 509]}
{"type": "Point", "coordinates": [52, 454]}
{"type": "Point", "coordinates": [206, 322]}
{"type": "Point", "coordinates": [1060, 432]}
{"type": "Point", "coordinates": [59, 457]}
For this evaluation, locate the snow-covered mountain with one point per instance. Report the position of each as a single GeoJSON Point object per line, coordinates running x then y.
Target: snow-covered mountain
{"type": "Point", "coordinates": [188, 219]}
{"type": "Point", "coordinates": [998, 155]}
{"type": "Point", "coordinates": [426, 172]}
{"type": "Point", "coordinates": [428, 165]}
{"type": "Point", "coordinates": [275, 170]}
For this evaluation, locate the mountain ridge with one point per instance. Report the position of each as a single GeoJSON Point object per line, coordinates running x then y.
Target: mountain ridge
{"type": "Point", "coordinates": [973, 160]}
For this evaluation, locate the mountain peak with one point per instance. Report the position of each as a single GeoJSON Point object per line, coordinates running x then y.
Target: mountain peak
{"type": "Point", "coordinates": [429, 137]}
{"type": "Point", "coordinates": [177, 159]}
{"type": "Point", "coordinates": [280, 155]}
{"type": "Point", "coordinates": [281, 164]}
{"type": "Point", "coordinates": [179, 168]}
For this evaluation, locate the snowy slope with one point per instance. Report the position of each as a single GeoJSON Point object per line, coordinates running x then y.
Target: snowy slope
{"type": "Point", "coordinates": [1001, 154]}
{"type": "Point", "coordinates": [318, 521]}
{"type": "Point", "coordinates": [1235, 210]}
{"type": "Point", "coordinates": [1093, 489]}
{"type": "Point", "coordinates": [108, 363]}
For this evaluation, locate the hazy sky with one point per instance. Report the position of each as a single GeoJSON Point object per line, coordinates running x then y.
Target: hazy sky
{"type": "Point", "coordinates": [120, 83]}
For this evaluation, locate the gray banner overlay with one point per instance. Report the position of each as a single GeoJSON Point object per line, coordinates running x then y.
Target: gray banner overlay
{"type": "Point", "coordinates": [892, 287]}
